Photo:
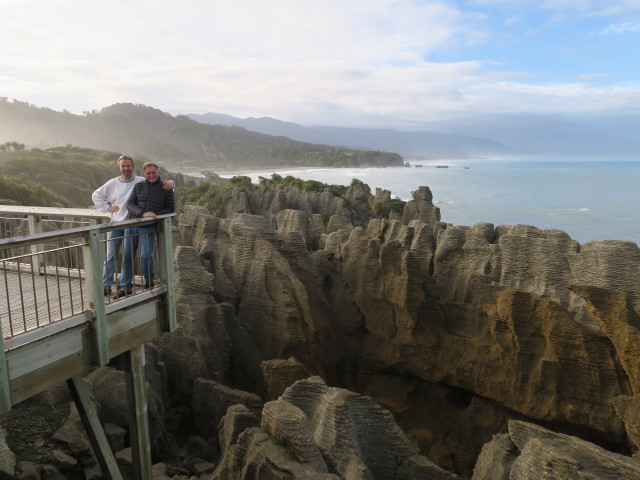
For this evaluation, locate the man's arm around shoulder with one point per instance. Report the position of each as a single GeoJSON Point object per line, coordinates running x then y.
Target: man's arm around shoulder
{"type": "Point", "coordinates": [169, 203]}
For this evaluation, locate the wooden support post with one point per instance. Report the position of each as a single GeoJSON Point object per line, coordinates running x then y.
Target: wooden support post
{"type": "Point", "coordinates": [35, 227]}
{"type": "Point", "coordinates": [93, 256]}
{"type": "Point", "coordinates": [165, 273]}
{"type": "Point", "coordinates": [5, 392]}
{"type": "Point", "coordinates": [94, 429]}
{"type": "Point", "coordinates": [138, 417]}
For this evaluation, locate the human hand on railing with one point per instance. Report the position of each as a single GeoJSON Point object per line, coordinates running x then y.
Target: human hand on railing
{"type": "Point", "coordinates": [149, 214]}
{"type": "Point", "coordinates": [114, 209]}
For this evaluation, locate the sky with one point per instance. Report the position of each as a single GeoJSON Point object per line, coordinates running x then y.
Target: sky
{"type": "Point", "coordinates": [375, 63]}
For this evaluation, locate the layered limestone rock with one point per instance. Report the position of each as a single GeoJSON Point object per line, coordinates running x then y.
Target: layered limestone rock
{"type": "Point", "coordinates": [109, 391]}
{"type": "Point", "coordinates": [211, 401]}
{"type": "Point", "coordinates": [271, 280]}
{"type": "Point", "coordinates": [200, 346]}
{"type": "Point", "coordinates": [317, 432]}
{"type": "Point", "coordinates": [256, 452]}
{"type": "Point", "coordinates": [421, 208]}
{"type": "Point", "coordinates": [493, 322]}
{"type": "Point", "coordinates": [279, 374]}
{"type": "Point", "coordinates": [353, 205]}
{"type": "Point", "coordinates": [530, 452]}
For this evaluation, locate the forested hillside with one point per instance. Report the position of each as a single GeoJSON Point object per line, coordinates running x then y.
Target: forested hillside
{"type": "Point", "coordinates": [177, 142]}
{"type": "Point", "coordinates": [65, 175]}
{"type": "Point", "coordinates": [14, 190]}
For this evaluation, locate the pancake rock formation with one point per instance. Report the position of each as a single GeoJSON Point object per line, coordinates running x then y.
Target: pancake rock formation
{"type": "Point", "coordinates": [456, 329]}
{"type": "Point", "coordinates": [319, 432]}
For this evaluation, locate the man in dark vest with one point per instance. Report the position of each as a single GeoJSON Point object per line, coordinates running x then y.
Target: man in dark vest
{"type": "Point", "coordinates": [148, 200]}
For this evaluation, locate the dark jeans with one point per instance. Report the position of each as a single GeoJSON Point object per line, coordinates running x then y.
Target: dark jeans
{"type": "Point", "coordinates": [145, 237]}
{"type": "Point", "coordinates": [114, 240]}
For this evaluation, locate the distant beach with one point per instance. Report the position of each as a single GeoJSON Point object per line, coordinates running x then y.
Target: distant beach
{"type": "Point", "coordinates": [232, 172]}
{"type": "Point", "coordinates": [590, 199]}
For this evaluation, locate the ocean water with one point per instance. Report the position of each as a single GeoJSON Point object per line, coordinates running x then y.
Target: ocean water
{"type": "Point", "coordinates": [591, 199]}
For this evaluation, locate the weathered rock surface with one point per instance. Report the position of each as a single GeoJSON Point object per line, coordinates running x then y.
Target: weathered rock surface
{"type": "Point", "coordinates": [109, 389]}
{"type": "Point", "coordinates": [269, 290]}
{"type": "Point", "coordinates": [353, 205]}
{"type": "Point", "coordinates": [515, 321]}
{"type": "Point", "coordinates": [7, 457]}
{"type": "Point", "coordinates": [200, 345]}
{"type": "Point", "coordinates": [531, 452]}
{"type": "Point", "coordinates": [421, 208]}
{"type": "Point", "coordinates": [72, 435]}
{"type": "Point", "coordinates": [278, 374]}
{"type": "Point", "coordinates": [237, 419]}
{"type": "Point", "coordinates": [212, 399]}
{"type": "Point", "coordinates": [463, 332]}
{"type": "Point", "coordinates": [329, 433]}
{"type": "Point", "coordinates": [256, 452]}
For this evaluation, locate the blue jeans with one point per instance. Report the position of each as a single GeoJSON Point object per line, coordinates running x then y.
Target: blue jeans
{"type": "Point", "coordinates": [114, 240]}
{"type": "Point", "coordinates": [145, 236]}
{"type": "Point", "coordinates": [125, 280]}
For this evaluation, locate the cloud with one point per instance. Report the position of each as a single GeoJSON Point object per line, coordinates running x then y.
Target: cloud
{"type": "Point", "coordinates": [228, 48]}
{"type": "Point", "coordinates": [564, 9]}
{"type": "Point", "coordinates": [599, 78]}
{"type": "Point", "coordinates": [592, 7]}
{"type": "Point", "coordinates": [620, 29]}
{"type": "Point", "coordinates": [329, 62]}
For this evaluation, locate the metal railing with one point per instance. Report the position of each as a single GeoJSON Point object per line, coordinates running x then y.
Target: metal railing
{"type": "Point", "coordinates": [134, 265]}
{"type": "Point", "coordinates": [32, 296]}
{"type": "Point", "coordinates": [16, 221]}
{"type": "Point", "coordinates": [49, 276]}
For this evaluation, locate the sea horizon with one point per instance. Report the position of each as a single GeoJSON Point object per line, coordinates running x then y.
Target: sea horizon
{"type": "Point", "coordinates": [590, 198]}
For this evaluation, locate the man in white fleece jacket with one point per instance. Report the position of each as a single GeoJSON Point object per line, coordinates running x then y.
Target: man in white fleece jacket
{"type": "Point", "coordinates": [112, 197]}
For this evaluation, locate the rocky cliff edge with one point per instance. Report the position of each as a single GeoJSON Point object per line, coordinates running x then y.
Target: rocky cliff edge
{"type": "Point", "coordinates": [456, 329]}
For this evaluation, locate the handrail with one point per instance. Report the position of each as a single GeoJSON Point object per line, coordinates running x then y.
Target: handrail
{"type": "Point", "coordinates": [36, 217]}
{"type": "Point", "coordinates": [94, 334]}
{"type": "Point", "coordinates": [75, 232]}
{"type": "Point", "coordinates": [54, 211]}
{"type": "Point", "coordinates": [83, 259]}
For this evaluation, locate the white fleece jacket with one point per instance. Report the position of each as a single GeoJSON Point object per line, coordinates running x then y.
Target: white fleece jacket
{"type": "Point", "coordinates": [115, 192]}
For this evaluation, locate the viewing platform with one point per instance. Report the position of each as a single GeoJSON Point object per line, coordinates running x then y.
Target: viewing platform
{"type": "Point", "coordinates": [57, 324]}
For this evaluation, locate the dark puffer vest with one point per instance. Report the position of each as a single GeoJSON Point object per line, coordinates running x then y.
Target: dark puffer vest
{"type": "Point", "coordinates": [150, 197]}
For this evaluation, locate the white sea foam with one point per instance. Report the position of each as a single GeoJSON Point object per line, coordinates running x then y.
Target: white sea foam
{"type": "Point", "coordinates": [569, 210]}
{"type": "Point", "coordinates": [588, 200]}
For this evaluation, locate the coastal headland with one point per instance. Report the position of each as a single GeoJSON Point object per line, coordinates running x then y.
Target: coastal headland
{"type": "Point", "coordinates": [457, 330]}
{"type": "Point", "coordinates": [342, 335]}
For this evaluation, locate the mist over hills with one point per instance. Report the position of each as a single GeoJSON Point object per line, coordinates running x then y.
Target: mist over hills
{"type": "Point", "coordinates": [269, 126]}
{"type": "Point", "coordinates": [601, 134]}
{"type": "Point", "coordinates": [223, 142]}
{"type": "Point", "coordinates": [613, 134]}
{"type": "Point", "coordinates": [408, 144]}
{"type": "Point", "coordinates": [178, 142]}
